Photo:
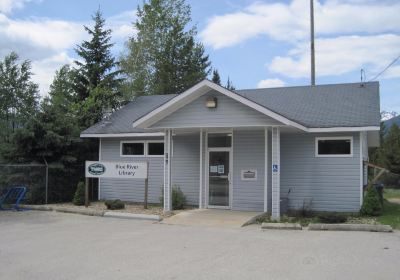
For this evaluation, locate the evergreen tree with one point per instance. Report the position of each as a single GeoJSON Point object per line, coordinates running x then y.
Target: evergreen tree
{"type": "Point", "coordinates": [18, 95]}
{"type": "Point", "coordinates": [163, 57]}
{"type": "Point", "coordinates": [96, 79]}
{"type": "Point", "coordinates": [52, 131]}
{"type": "Point", "coordinates": [229, 85]}
{"type": "Point", "coordinates": [390, 150]}
{"type": "Point", "coordinates": [216, 78]}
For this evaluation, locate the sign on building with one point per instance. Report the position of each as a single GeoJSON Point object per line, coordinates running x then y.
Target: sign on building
{"type": "Point", "coordinates": [121, 170]}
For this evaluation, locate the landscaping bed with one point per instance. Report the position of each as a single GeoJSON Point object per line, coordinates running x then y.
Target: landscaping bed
{"type": "Point", "coordinates": [388, 215]}
{"type": "Point", "coordinates": [316, 218]}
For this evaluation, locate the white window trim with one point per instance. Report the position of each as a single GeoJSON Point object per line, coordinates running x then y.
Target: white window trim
{"type": "Point", "coordinates": [132, 141]}
{"type": "Point", "coordinates": [145, 150]}
{"type": "Point", "coordinates": [147, 147]}
{"type": "Point", "coordinates": [334, 138]}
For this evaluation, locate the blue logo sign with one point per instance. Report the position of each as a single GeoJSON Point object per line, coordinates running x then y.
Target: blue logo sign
{"type": "Point", "coordinates": [274, 168]}
{"type": "Point", "coordinates": [96, 169]}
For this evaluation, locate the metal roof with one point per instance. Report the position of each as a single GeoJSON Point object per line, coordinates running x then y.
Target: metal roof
{"type": "Point", "coordinates": [321, 106]}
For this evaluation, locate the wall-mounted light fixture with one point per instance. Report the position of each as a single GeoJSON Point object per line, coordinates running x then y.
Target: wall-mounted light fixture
{"type": "Point", "coordinates": [211, 102]}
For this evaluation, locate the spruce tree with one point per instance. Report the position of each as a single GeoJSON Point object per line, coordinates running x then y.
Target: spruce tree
{"type": "Point", "coordinates": [229, 85]}
{"type": "Point", "coordinates": [216, 78]}
{"type": "Point", "coordinates": [163, 57]}
{"type": "Point", "coordinates": [96, 79]}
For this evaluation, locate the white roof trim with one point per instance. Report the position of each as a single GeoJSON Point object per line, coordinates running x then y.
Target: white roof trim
{"type": "Point", "coordinates": [344, 129]}
{"type": "Point", "coordinates": [161, 134]}
{"type": "Point", "coordinates": [104, 135]}
{"type": "Point", "coordinates": [195, 91]}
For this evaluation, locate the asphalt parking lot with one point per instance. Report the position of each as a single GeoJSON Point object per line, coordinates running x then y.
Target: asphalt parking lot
{"type": "Point", "coordinates": [49, 245]}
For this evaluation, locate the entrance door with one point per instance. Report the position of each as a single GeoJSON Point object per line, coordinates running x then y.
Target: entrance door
{"type": "Point", "coordinates": [219, 178]}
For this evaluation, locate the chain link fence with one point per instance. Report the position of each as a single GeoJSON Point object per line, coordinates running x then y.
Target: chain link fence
{"type": "Point", "coordinates": [45, 183]}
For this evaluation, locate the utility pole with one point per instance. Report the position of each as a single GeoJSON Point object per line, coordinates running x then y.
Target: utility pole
{"type": "Point", "coordinates": [312, 42]}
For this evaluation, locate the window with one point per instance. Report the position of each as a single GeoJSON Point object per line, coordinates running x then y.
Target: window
{"type": "Point", "coordinates": [142, 148]}
{"type": "Point", "coordinates": [334, 146]}
{"type": "Point", "coordinates": [219, 140]}
{"type": "Point", "coordinates": [155, 148]}
{"type": "Point", "coordinates": [132, 148]}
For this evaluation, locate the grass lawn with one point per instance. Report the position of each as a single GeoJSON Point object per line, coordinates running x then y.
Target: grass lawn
{"type": "Point", "coordinates": [391, 193]}
{"type": "Point", "coordinates": [390, 215]}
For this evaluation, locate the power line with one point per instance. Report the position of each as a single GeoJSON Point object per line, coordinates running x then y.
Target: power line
{"type": "Point", "coordinates": [386, 68]}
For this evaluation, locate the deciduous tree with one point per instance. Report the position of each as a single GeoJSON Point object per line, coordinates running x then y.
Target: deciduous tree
{"type": "Point", "coordinates": [163, 57]}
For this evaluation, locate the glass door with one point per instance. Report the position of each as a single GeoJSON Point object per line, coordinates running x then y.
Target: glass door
{"type": "Point", "coordinates": [218, 178]}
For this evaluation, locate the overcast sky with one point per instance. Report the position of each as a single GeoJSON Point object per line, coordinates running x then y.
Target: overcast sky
{"type": "Point", "coordinates": [256, 43]}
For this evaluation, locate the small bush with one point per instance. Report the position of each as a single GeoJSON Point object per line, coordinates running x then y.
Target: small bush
{"type": "Point", "coordinates": [304, 212]}
{"type": "Point", "coordinates": [79, 197]}
{"type": "Point", "coordinates": [371, 205]}
{"type": "Point", "coordinates": [178, 198]}
{"type": "Point", "coordinates": [114, 204]}
{"type": "Point", "coordinates": [332, 218]}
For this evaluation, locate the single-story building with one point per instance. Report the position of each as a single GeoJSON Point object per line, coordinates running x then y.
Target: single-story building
{"type": "Point", "coordinates": [246, 149]}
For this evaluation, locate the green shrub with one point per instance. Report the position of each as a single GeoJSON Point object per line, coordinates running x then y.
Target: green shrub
{"type": "Point", "coordinates": [371, 205]}
{"type": "Point", "coordinates": [332, 218]}
{"type": "Point", "coordinates": [114, 204]}
{"type": "Point", "coordinates": [79, 197]}
{"type": "Point", "coordinates": [178, 198]}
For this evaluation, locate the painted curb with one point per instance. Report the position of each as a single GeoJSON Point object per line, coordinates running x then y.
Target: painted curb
{"type": "Point", "coordinates": [351, 227]}
{"type": "Point", "coordinates": [80, 211]}
{"type": "Point", "coordinates": [291, 226]}
{"type": "Point", "coordinates": [121, 215]}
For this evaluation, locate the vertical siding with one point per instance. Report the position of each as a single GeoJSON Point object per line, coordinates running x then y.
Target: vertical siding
{"type": "Point", "coordinates": [131, 189]}
{"type": "Point", "coordinates": [248, 153]}
{"type": "Point", "coordinates": [331, 184]}
{"type": "Point", "coordinates": [186, 166]}
{"type": "Point", "coordinates": [229, 113]}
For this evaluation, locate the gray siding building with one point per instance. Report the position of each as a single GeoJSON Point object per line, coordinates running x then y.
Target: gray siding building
{"type": "Point", "coordinates": [246, 150]}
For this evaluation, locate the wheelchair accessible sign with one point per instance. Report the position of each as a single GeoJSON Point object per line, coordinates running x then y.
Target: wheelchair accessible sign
{"type": "Point", "coordinates": [275, 168]}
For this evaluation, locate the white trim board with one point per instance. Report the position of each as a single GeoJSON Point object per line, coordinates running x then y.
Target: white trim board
{"type": "Point", "coordinates": [136, 134]}
{"type": "Point", "coordinates": [198, 90]}
{"type": "Point", "coordinates": [205, 86]}
{"type": "Point", "coordinates": [161, 134]}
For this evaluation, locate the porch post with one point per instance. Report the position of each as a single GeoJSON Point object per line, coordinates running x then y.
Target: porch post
{"type": "Point", "coordinates": [201, 171]}
{"type": "Point", "coordinates": [276, 185]}
{"type": "Point", "coordinates": [266, 170]}
{"type": "Point", "coordinates": [167, 171]}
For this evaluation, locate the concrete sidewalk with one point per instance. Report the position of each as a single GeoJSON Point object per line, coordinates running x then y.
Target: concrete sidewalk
{"type": "Point", "coordinates": [211, 218]}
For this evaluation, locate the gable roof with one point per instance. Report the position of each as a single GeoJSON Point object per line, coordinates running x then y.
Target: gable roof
{"type": "Point", "coordinates": [309, 108]}
{"type": "Point", "coordinates": [121, 121]}
{"type": "Point", "coordinates": [322, 106]}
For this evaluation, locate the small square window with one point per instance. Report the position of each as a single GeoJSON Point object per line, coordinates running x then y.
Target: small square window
{"type": "Point", "coordinates": [155, 149]}
{"type": "Point", "coordinates": [331, 147]}
{"type": "Point", "coordinates": [133, 149]}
